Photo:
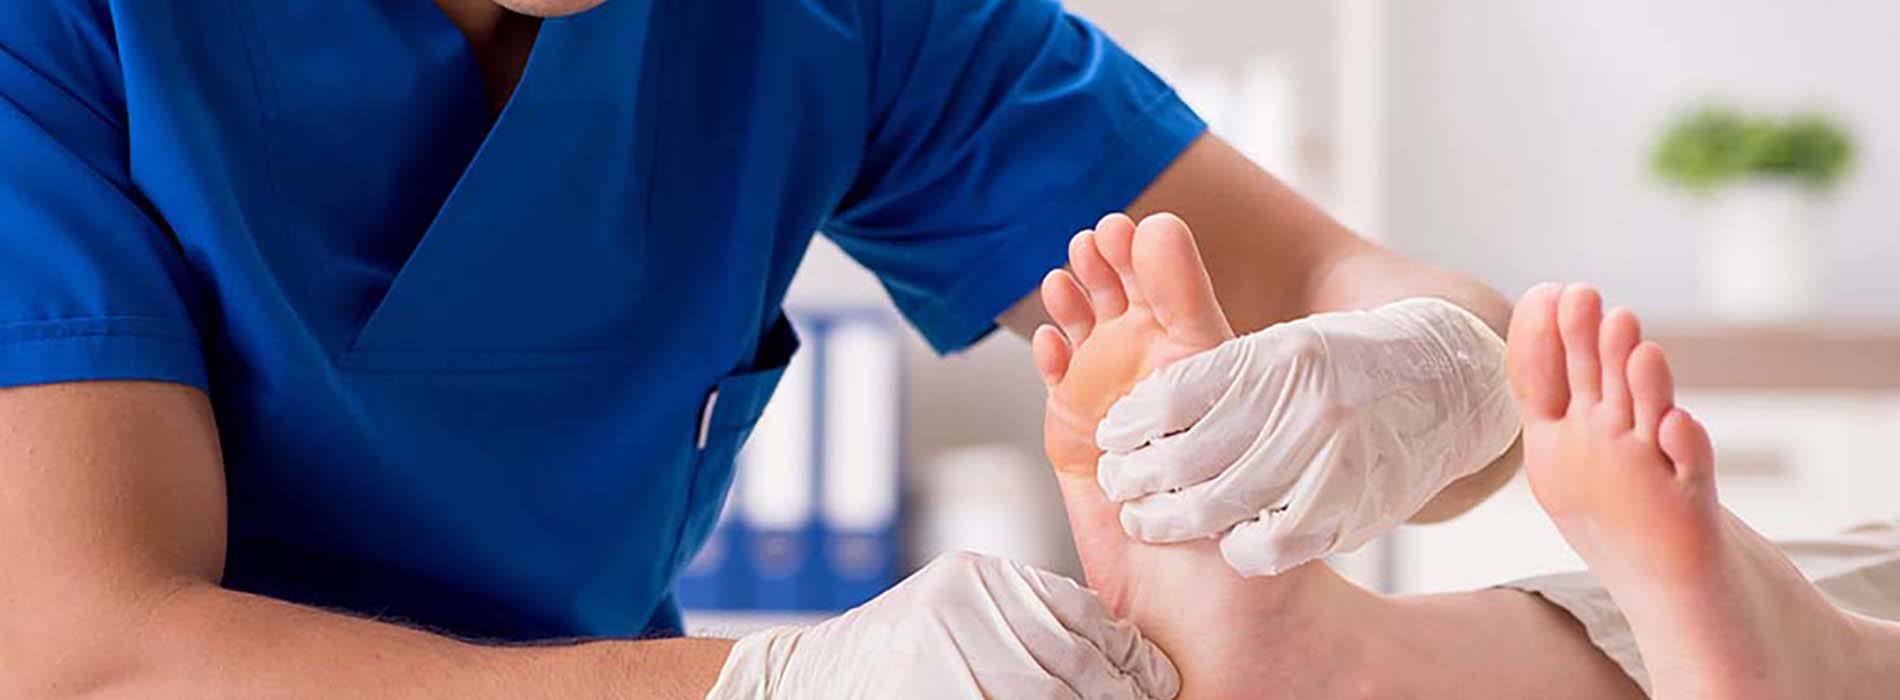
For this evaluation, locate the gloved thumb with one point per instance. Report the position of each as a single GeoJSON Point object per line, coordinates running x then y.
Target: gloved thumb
{"type": "Point", "coordinates": [1140, 662]}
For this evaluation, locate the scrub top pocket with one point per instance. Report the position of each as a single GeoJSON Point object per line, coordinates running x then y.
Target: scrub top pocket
{"type": "Point", "coordinates": [732, 408]}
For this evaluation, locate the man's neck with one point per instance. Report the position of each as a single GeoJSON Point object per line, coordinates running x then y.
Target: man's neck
{"type": "Point", "coordinates": [500, 40]}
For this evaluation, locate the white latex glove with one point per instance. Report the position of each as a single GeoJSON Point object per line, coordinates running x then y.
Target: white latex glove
{"type": "Point", "coordinates": [966, 626]}
{"type": "Point", "coordinates": [1311, 436]}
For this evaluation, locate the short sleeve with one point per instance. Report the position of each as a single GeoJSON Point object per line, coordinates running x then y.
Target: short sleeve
{"type": "Point", "coordinates": [91, 285]}
{"type": "Point", "coordinates": [999, 129]}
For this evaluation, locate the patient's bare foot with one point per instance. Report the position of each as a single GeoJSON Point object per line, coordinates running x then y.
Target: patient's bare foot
{"type": "Point", "coordinates": [1137, 300]}
{"type": "Point", "coordinates": [1629, 479]}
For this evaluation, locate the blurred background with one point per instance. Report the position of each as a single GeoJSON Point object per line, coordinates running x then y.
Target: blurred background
{"type": "Point", "coordinates": [1726, 168]}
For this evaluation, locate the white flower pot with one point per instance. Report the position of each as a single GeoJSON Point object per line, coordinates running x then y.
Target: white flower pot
{"type": "Point", "coordinates": [1758, 252]}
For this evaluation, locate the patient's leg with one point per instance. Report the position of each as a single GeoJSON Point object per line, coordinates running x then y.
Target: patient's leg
{"type": "Point", "coordinates": [1629, 479]}
{"type": "Point", "coordinates": [1137, 300]}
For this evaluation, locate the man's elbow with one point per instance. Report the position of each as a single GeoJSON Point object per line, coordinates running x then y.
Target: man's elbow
{"type": "Point", "coordinates": [91, 643]}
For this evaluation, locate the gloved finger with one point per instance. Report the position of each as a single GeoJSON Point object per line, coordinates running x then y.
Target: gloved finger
{"type": "Point", "coordinates": [1108, 656]}
{"type": "Point", "coordinates": [1258, 548]}
{"type": "Point", "coordinates": [1317, 517]}
{"type": "Point", "coordinates": [1200, 510]}
{"type": "Point", "coordinates": [1169, 400]}
{"type": "Point", "coordinates": [988, 631]}
{"type": "Point", "coordinates": [1206, 449]}
{"type": "Point", "coordinates": [1271, 545]}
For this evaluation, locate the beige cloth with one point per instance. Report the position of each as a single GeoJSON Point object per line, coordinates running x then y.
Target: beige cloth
{"type": "Point", "coordinates": [1859, 570]}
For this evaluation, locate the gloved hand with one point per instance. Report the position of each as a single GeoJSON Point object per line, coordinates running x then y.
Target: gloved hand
{"type": "Point", "coordinates": [966, 626]}
{"type": "Point", "coordinates": [1311, 436]}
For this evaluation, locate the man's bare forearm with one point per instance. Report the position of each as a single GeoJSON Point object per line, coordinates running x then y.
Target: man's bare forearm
{"type": "Point", "coordinates": [201, 641]}
{"type": "Point", "coordinates": [112, 538]}
{"type": "Point", "coordinates": [1362, 276]}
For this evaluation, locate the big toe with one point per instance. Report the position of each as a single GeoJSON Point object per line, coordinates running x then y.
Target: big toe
{"type": "Point", "coordinates": [1535, 355]}
{"type": "Point", "coordinates": [1173, 279]}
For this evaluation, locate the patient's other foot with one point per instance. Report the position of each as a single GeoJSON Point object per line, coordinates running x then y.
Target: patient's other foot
{"type": "Point", "coordinates": [1629, 479]}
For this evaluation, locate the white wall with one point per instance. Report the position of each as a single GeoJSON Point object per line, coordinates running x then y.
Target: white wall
{"type": "Point", "coordinates": [1228, 34]}
{"type": "Point", "coordinates": [1519, 135]}
{"type": "Point", "coordinates": [1518, 138]}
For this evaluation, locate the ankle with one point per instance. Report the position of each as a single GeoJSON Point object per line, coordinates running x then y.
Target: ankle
{"type": "Point", "coordinates": [1307, 629]}
{"type": "Point", "coordinates": [1306, 607]}
{"type": "Point", "coordinates": [1311, 596]}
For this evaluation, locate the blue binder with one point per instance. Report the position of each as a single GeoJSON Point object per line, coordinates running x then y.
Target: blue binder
{"type": "Point", "coordinates": [812, 522]}
{"type": "Point", "coordinates": [708, 581]}
{"type": "Point", "coordinates": [777, 514]}
{"type": "Point", "coordinates": [862, 457]}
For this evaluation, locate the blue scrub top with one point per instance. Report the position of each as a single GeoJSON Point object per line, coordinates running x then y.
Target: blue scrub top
{"type": "Point", "coordinates": [459, 363]}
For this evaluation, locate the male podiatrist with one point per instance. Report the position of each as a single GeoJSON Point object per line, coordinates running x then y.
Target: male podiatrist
{"type": "Point", "coordinates": [369, 348]}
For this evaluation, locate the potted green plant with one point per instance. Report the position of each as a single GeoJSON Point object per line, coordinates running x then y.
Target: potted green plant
{"type": "Point", "coordinates": [1761, 179]}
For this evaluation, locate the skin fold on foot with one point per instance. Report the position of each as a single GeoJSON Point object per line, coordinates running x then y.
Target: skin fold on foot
{"type": "Point", "coordinates": [1136, 298]}
{"type": "Point", "coordinates": [1629, 479]}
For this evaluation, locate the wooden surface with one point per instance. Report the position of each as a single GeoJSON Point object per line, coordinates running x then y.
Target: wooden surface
{"type": "Point", "coordinates": [1837, 356]}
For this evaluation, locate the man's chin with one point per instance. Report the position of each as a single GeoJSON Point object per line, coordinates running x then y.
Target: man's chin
{"type": "Point", "coordinates": [549, 8]}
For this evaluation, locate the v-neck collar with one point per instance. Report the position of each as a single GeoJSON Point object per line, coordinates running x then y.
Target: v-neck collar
{"type": "Point", "coordinates": [503, 85]}
{"type": "Point", "coordinates": [578, 98]}
{"type": "Point", "coordinates": [474, 64]}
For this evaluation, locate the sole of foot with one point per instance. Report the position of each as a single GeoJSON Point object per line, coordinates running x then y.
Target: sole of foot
{"type": "Point", "coordinates": [1629, 479]}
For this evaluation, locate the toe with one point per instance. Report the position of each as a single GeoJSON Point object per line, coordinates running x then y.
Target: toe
{"type": "Point", "coordinates": [1686, 442]}
{"type": "Point", "coordinates": [1535, 355]}
{"type": "Point", "coordinates": [1052, 354]}
{"type": "Point", "coordinates": [1116, 221]}
{"type": "Point", "coordinates": [1116, 239]}
{"type": "Point", "coordinates": [1171, 276]}
{"type": "Point", "coordinates": [1068, 305]}
{"type": "Point", "coordinates": [1652, 389]}
{"type": "Point", "coordinates": [1103, 285]}
{"type": "Point", "coordinates": [1618, 338]}
{"type": "Point", "coordinates": [1579, 317]}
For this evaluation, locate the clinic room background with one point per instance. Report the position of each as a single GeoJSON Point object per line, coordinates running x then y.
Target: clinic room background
{"type": "Point", "coordinates": [1522, 142]}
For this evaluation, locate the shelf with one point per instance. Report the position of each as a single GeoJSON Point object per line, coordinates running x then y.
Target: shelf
{"type": "Point", "coordinates": [1833, 356]}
